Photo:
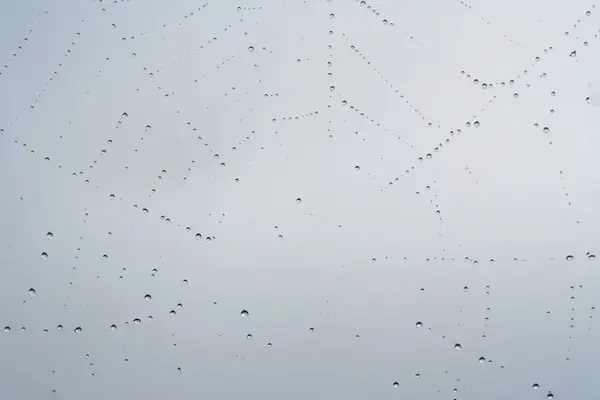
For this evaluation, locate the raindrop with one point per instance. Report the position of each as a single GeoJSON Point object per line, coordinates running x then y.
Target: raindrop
{"type": "Point", "coordinates": [44, 255]}
{"type": "Point", "coordinates": [482, 359]}
{"type": "Point", "coordinates": [113, 327]}
{"type": "Point", "coordinates": [550, 396]}
{"type": "Point", "coordinates": [32, 292]}
{"type": "Point", "coordinates": [570, 258]}
{"type": "Point", "coordinates": [250, 49]}
{"type": "Point", "coordinates": [588, 13]}
{"type": "Point", "coordinates": [249, 336]}
{"type": "Point", "coordinates": [357, 168]}
{"type": "Point", "coordinates": [269, 344]}
{"type": "Point", "coordinates": [546, 129]}
{"type": "Point", "coordinates": [298, 200]}
{"type": "Point", "coordinates": [535, 386]}
{"type": "Point", "coordinates": [7, 328]}
{"type": "Point", "coordinates": [476, 124]}
{"type": "Point", "coordinates": [137, 321]}
{"type": "Point", "coordinates": [147, 297]}
{"type": "Point", "coordinates": [591, 257]}
{"type": "Point", "coordinates": [458, 346]}
{"type": "Point", "coordinates": [573, 54]}
{"type": "Point", "coordinates": [395, 384]}
{"type": "Point", "coordinates": [59, 328]}
{"type": "Point", "coordinates": [50, 235]}
{"type": "Point", "coordinates": [172, 312]}
{"type": "Point", "coordinates": [419, 324]}
{"type": "Point", "coordinates": [125, 115]}
{"type": "Point", "coordinates": [198, 236]}
{"type": "Point", "coordinates": [77, 330]}
{"type": "Point", "coordinates": [244, 313]}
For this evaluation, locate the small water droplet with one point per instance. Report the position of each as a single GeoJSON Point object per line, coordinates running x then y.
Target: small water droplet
{"type": "Point", "coordinates": [7, 328]}
{"type": "Point", "coordinates": [395, 384]}
{"type": "Point", "coordinates": [550, 396]}
{"type": "Point", "coordinates": [147, 297]}
{"type": "Point", "coordinates": [172, 312]}
{"type": "Point", "coordinates": [457, 346]}
{"type": "Point", "coordinates": [591, 257]}
{"type": "Point", "coordinates": [198, 236]}
{"type": "Point", "coordinates": [137, 321]}
{"type": "Point", "coordinates": [570, 258]}
{"type": "Point", "coordinates": [546, 129]}
{"type": "Point", "coordinates": [113, 327]}
{"type": "Point", "coordinates": [32, 292]}
{"type": "Point", "coordinates": [44, 255]}
{"type": "Point", "coordinates": [59, 327]}
{"type": "Point", "coordinates": [476, 124]}
{"type": "Point", "coordinates": [357, 167]}
{"type": "Point", "coordinates": [77, 330]}
{"type": "Point", "coordinates": [269, 344]}
{"type": "Point", "coordinates": [124, 115]}
{"type": "Point", "coordinates": [244, 313]}
{"type": "Point", "coordinates": [419, 324]}
{"type": "Point", "coordinates": [249, 336]}
{"type": "Point", "coordinates": [298, 200]}
{"type": "Point", "coordinates": [482, 359]}
{"type": "Point", "coordinates": [535, 386]}
{"type": "Point", "coordinates": [311, 329]}
{"type": "Point", "coordinates": [250, 49]}
{"type": "Point", "coordinates": [588, 13]}
{"type": "Point", "coordinates": [50, 235]}
{"type": "Point", "coordinates": [573, 54]}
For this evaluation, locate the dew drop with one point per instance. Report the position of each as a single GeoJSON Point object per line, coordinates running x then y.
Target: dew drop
{"type": "Point", "coordinates": [546, 129]}
{"type": "Point", "coordinates": [124, 115]}
{"type": "Point", "coordinates": [172, 312]}
{"type": "Point", "coordinates": [59, 328]}
{"type": "Point", "coordinates": [299, 200]}
{"type": "Point", "coordinates": [573, 54]}
{"type": "Point", "coordinates": [198, 236]}
{"type": "Point", "coordinates": [550, 396]}
{"type": "Point", "coordinates": [591, 257]}
{"type": "Point", "coordinates": [357, 167]}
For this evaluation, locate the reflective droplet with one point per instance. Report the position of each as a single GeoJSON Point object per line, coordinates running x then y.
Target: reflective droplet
{"type": "Point", "coordinates": [32, 292]}
{"type": "Point", "coordinates": [198, 236]}
{"type": "Point", "coordinates": [137, 321]}
{"type": "Point", "coordinates": [357, 168]}
{"type": "Point", "coordinates": [546, 129]}
{"type": "Point", "coordinates": [7, 328]}
{"type": "Point", "coordinates": [550, 396]}
{"type": "Point", "coordinates": [311, 329]}
{"type": "Point", "coordinates": [298, 200]}
{"type": "Point", "coordinates": [419, 324]}
{"type": "Point", "coordinates": [573, 54]}
{"type": "Point", "coordinates": [331, 16]}
{"type": "Point", "coordinates": [591, 256]}
{"type": "Point", "coordinates": [395, 384]}
{"type": "Point", "coordinates": [77, 330]}
{"type": "Point", "coordinates": [249, 336]}
{"type": "Point", "coordinates": [124, 115]}
{"type": "Point", "coordinates": [269, 344]}
{"type": "Point", "coordinates": [113, 327]}
{"type": "Point", "coordinates": [59, 327]}
{"type": "Point", "coordinates": [147, 297]}
{"type": "Point", "coordinates": [172, 312]}
{"type": "Point", "coordinates": [44, 255]}
{"type": "Point", "coordinates": [588, 13]}
{"type": "Point", "coordinates": [458, 346]}
{"type": "Point", "coordinates": [535, 386]}
{"type": "Point", "coordinates": [476, 124]}
{"type": "Point", "coordinates": [482, 359]}
{"type": "Point", "coordinates": [570, 258]}
{"type": "Point", "coordinates": [244, 313]}
{"type": "Point", "coordinates": [50, 235]}
{"type": "Point", "coordinates": [250, 49]}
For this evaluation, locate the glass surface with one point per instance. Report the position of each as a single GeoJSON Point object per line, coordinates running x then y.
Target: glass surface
{"type": "Point", "coordinates": [299, 199]}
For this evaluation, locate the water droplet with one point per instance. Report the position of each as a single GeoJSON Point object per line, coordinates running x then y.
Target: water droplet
{"type": "Point", "coordinates": [50, 235]}
{"type": "Point", "coordinates": [331, 16]}
{"type": "Point", "coordinates": [546, 129]}
{"type": "Point", "coordinates": [198, 236]}
{"type": "Point", "coordinates": [573, 54]}
{"type": "Point", "coordinates": [419, 324]}
{"type": "Point", "coordinates": [147, 297]}
{"type": "Point", "coordinates": [535, 386]}
{"type": "Point", "coordinates": [124, 115]}
{"type": "Point", "coordinates": [458, 346]}
{"type": "Point", "coordinates": [570, 258]}
{"type": "Point", "coordinates": [591, 257]}
{"type": "Point", "coordinates": [112, 196]}
{"type": "Point", "coordinates": [298, 200]}
{"type": "Point", "coordinates": [32, 292]}
{"type": "Point", "coordinates": [137, 321]}
{"type": "Point", "coordinates": [395, 384]}
{"type": "Point", "coordinates": [588, 13]}
{"type": "Point", "coordinates": [250, 49]}
{"type": "Point", "coordinates": [77, 330]}
{"type": "Point", "coordinates": [59, 327]}
{"type": "Point", "coordinates": [7, 328]}
{"type": "Point", "coordinates": [476, 124]}
{"type": "Point", "coordinates": [44, 255]}
{"type": "Point", "coordinates": [269, 344]}
{"type": "Point", "coordinates": [550, 396]}
{"type": "Point", "coordinates": [357, 168]}
{"type": "Point", "coordinates": [244, 313]}
{"type": "Point", "coordinates": [482, 359]}
{"type": "Point", "coordinates": [311, 329]}
{"type": "Point", "coordinates": [249, 336]}
{"type": "Point", "coordinates": [172, 312]}
{"type": "Point", "coordinates": [113, 327]}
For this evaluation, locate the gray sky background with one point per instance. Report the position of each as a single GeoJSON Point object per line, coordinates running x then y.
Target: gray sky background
{"type": "Point", "coordinates": [460, 215]}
